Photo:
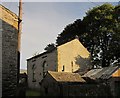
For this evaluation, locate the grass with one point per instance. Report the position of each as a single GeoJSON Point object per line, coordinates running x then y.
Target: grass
{"type": "Point", "coordinates": [30, 92]}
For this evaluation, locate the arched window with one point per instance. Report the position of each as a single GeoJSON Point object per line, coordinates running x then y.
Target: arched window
{"type": "Point", "coordinates": [45, 64]}
{"type": "Point", "coordinates": [44, 68]}
{"type": "Point", "coordinates": [33, 73]}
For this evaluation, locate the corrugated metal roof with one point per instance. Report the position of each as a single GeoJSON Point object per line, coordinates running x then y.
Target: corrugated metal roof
{"type": "Point", "coordinates": [102, 73]}
{"type": "Point", "coordinates": [92, 72]}
{"type": "Point", "coordinates": [66, 76]}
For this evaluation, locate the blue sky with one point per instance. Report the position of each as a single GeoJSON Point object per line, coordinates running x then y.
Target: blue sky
{"type": "Point", "coordinates": [43, 21]}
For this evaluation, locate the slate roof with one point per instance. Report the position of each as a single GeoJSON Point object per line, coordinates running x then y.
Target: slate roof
{"type": "Point", "coordinates": [66, 77]}
{"type": "Point", "coordinates": [102, 73]}
{"type": "Point", "coordinates": [41, 54]}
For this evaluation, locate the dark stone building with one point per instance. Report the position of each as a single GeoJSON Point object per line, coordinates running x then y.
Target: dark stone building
{"type": "Point", "coordinates": [8, 50]}
{"type": "Point", "coordinates": [66, 84]}
{"type": "Point", "coordinates": [61, 84]}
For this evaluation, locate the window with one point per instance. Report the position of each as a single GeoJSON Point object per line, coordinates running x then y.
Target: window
{"type": "Point", "coordinates": [33, 73]}
{"type": "Point", "coordinates": [45, 65]}
{"type": "Point", "coordinates": [33, 80]}
{"type": "Point", "coordinates": [33, 66]}
{"type": "Point", "coordinates": [72, 66]}
{"type": "Point", "coordinates": [63, 68]}
{"type": "Point", "coordinates": [44, 56]}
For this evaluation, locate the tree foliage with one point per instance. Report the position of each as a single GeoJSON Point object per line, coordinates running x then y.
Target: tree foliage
{"type": "Point", "coordinates": [50, 47]}
{"type": "Point", "coordinates": [70, 31]}
{"type": "Point", "coordinates": [103, 34]}
{"type": "Point", "coordinates": [99, 31]}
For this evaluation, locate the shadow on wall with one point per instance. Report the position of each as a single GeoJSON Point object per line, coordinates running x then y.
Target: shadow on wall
{"type": "Point", "coordinates": [84, 64]}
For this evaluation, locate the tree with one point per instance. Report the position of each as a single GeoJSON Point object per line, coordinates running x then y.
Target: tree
{"type": "Point", "coordinates": [99, 31]}
{"type": "Point", "coordinates": [103, 34]}
{"type": "Point", "coordinates": [70, 31]}
{"type": "Point", "coordinates": [50, 47]}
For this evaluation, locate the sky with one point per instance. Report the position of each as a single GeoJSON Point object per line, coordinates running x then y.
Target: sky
{"type": "Point", "coordinates": [43, 21]}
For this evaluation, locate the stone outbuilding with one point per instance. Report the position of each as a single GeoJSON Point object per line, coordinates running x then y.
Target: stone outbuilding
{"type": "Point", "coordinates": [68, 57]}
{"type": "Point", "coordinates": [67, 84]}
{"type": "Point", "coordinates": [61, 84]}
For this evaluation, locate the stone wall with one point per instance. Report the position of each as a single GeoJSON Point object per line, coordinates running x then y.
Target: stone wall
{"type": "Point", "coordinates": [8, 49]}
{"type": "Point", "coordinates": [0, 58]}
{"type": "Point", "coordinates": [9, 59]}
